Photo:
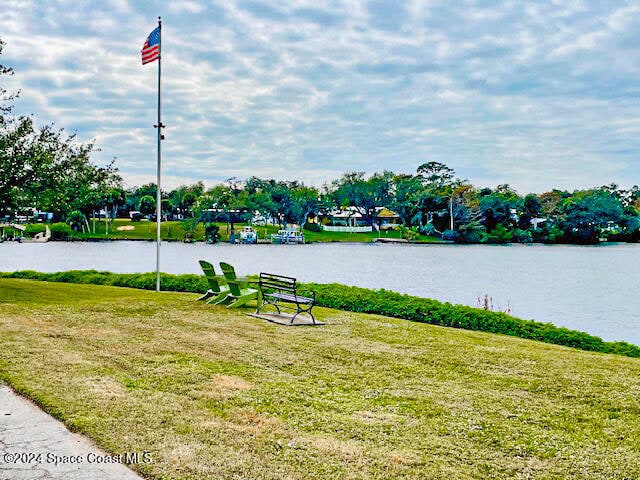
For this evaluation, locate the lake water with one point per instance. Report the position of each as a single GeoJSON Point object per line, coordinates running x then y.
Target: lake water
{"type": "Point", "coordinates": [593, 289]}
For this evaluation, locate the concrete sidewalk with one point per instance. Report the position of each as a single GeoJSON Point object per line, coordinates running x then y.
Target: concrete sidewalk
{"type": "Point", "coordinates": [32, 442]}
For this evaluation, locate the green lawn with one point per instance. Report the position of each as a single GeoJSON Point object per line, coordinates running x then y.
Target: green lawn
{"type": "Point", "coordinates": [141, 230]}
{"type": "Point", "coordinates": [11, 232]}
{"type": "Point", "coordinates": [175, 231]}
{"type": "Point", "coordinates": [215, 394]}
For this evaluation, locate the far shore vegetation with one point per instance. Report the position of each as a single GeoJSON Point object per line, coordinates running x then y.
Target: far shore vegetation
{"type": "Point", "coordinates": [431, 206]}
{"type": "Point", "coordinates": [47, 176]}
{"type": "Point", "coordinates": [213, 393]}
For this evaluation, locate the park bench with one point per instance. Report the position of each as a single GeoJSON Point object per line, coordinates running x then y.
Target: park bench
{"type": "Point", "coordinates": [281, 292]}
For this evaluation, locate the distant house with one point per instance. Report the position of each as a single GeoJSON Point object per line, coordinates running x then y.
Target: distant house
{"type": "Point", "coordinates": [536, 221]}
{"type": "Point", "coordinates": [386, 219]}
{"type": "Point", "coordinates": [349, 216]}
{"type": "Point", "coordinates": [31, 214]}
{"type": "Point", "coordinates": [350, 219]}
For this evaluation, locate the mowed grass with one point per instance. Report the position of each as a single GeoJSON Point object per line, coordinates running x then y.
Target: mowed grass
{"type": "Point", "coordinates": [214, 394]}
{"type": "Point", "coordinates": [174, 230]}
{"type": "Point", "coordinates": [142, 230]}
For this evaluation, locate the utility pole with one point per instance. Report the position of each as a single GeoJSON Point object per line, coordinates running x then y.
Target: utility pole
{"type": "Point", "coordinates": [451, 213]}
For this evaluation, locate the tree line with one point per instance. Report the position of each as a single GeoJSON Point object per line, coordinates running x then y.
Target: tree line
{"type": "Point", "coordinates": [433, 201]}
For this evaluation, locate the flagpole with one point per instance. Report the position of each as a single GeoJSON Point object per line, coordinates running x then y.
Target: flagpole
{"type": "Point", "coordinates": [158, 192]}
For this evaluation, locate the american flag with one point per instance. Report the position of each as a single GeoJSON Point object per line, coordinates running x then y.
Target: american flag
{"type": "Point", "coordinates": [151, 49]}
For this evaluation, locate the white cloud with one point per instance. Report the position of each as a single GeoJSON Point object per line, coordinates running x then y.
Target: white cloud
{"type": "Point", "coordinates": [186, 6]}
{"type": "Point", "coordinates": [537, 95]}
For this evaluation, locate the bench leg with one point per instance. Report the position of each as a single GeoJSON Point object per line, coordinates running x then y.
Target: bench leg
{"type": "Point", "coordinates": [313, 319]}
{"type": "Point", "coordinates": [305, 310]}
{"type": "Point", "coordinates": [296, 314]}
{"type": "Point", "coordinates": [264, 303]}
{"type": "Point", "coordinates": [302, 310]}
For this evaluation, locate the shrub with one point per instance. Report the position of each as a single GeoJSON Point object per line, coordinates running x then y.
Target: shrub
{"type": "Point", "coordinates": [450, 235]}
{"type": "Point", "coordinates": [539, 234]}
{"type": "Point", "coordinates": [555, 235]}
{"type": "Point", "coordinates": [549, 234]}
{"type": "Point", "coordinates": [147, 205]}
{"type": "Point", "coordinates": [355, 299]}
{"type": "Point", "coordinates": [429, 229]}
{"type": "Point", "coordinates": [312, 227]}
{"type": "Point", "coordinates": [76, 220]}
{"type": "Point", "coordinates": [585, 235]}
{"type": "Point", "coordinates": [499, 235]}
{"type": "Point", "coordinates": [60, 231]}
{"type": "Point", "coordinates": [409, 233]}
{"type": "Point", "coordinates": [522, 236]}
{"type": "Point", "coordinates": [211, 233]}
{"type": "Point", "coordinates": [190, 225]}
{"type": "Point", "coordinates": [32, 229]}
{"type": "Point", "coordinates": [472, 232]}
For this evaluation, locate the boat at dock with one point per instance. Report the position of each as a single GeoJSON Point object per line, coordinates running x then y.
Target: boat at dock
{"type": "Point", "coordinates": [287, 236]}
{"type": "Point", "coordinates": [248, 235]}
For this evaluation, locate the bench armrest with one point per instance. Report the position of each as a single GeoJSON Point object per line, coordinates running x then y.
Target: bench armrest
{"type": "Point", "coordinates": [312, 296]}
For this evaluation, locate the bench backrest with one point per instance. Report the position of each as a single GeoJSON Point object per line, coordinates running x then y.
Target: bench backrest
{"type": "Point", "coordinates": [270, 281]}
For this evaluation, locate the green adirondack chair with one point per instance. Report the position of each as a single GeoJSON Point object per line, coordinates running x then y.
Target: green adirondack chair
{"type": "Point", "coordinates": [216, 291]}
{"type": "Point", "coordinates": [237, 295]}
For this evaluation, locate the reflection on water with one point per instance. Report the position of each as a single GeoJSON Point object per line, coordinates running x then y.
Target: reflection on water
{"type": "Point", "coordinates": [586, 288]}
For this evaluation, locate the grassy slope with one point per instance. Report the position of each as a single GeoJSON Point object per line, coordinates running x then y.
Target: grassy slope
{"type": "Point", "coordinates": [215, 394]}
{"type": "Point", "coordinates": [174, 231]}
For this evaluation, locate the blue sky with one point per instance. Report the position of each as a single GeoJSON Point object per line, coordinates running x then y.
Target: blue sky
{"type": "Point", "coordinates": [535, 94]}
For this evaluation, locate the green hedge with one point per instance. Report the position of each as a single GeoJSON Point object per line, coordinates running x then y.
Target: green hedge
{"type": "Point", "coordinates": [364, 300]}
{"type": "Point", "coordinates": [425, 310]}
{"type": "Point", "coordinates": [32, 229]}
{"type": "Point", "coordinates": [144, 281]}
{"type": "Point", "coordinates": [60, 231]}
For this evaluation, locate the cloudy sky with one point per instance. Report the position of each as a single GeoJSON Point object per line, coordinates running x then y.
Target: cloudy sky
{"type": "Point", "coordinates": [535, 94]}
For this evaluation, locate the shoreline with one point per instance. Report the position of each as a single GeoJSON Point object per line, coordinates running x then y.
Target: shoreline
{"type": "Point", "coordinates": [381, 240]}
{"type": "Point", "coordinates": [355, 299]}
{"type": "Point", "coordinates": [550, 284]}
